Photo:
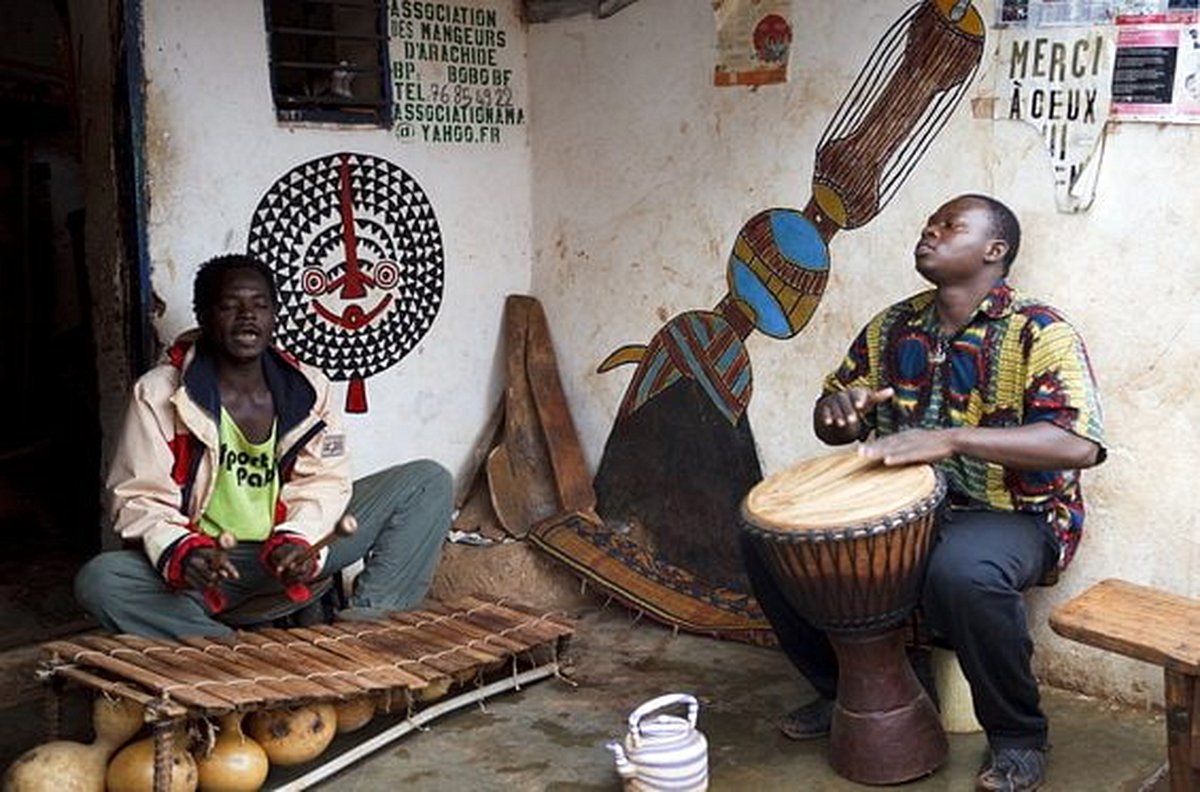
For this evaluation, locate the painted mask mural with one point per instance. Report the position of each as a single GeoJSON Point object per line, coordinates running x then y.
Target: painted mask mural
{"type": "Point", "coordinates": [358, 261]}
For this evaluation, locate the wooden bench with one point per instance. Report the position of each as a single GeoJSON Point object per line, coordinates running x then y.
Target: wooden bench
{"type": "Point", "coordinates": [1156, 627]}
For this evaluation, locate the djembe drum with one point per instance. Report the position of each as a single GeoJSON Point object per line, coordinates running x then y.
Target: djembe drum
{"type": "Point", "coordinates": [847, 540]}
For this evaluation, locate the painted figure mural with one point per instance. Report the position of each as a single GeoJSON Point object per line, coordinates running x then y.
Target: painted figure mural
{"type": "Point", "coordinates": [681, 455]}
{"type": "Point", "coordinates": [358, 261]}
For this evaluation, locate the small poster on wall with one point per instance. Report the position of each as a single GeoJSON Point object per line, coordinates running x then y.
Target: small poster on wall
{"type": "Point", "coordinates": [754, 38]}
{"type": "Point", "coordinates": [1057, 80]}
{"type": "Point", "coordinates": [1157, 74]}
{"type": "Point", "coordinates": [1142, 11]}
{"type": "Point", "coordinates": [1040, 13]}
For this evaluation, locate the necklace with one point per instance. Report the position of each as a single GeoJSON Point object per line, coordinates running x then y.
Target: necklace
{"type": "Point", "coordinates": [942, 343]}
{"type": "Point", "coordinates": [938, 355]}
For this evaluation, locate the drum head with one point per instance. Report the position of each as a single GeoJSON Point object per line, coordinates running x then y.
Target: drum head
{"type": "Point", "coordinates": [838, 491]}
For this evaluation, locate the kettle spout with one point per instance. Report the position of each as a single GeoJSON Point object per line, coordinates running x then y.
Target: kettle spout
{"type": "Point", "coordinates": [625, 768]}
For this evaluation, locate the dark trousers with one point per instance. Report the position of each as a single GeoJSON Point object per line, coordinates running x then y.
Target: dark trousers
{"type": "Point", "coordinates": [972, 602]}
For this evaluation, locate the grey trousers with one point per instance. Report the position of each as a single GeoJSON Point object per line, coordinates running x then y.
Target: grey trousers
{"type": "Point", "coordinates": [403, 517]}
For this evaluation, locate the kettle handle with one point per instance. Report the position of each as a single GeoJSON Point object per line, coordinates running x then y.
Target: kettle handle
{"type": "Point", "coordinates": [655, 704]}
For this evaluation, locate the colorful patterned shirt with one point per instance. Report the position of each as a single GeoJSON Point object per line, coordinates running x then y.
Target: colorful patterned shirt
{"type": "Point", "coordinates": [1016, 361]}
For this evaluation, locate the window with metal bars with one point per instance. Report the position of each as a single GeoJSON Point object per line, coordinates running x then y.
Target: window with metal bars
{"type": "Point", "coordinates": [329, 60]}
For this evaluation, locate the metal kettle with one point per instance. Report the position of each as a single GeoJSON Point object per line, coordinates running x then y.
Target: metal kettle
{"type": "Point", "coordinates": [664, 752]}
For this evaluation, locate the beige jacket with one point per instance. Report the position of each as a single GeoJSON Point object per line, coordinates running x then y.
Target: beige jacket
{"type": "Point", "coordinates": [161, 478]}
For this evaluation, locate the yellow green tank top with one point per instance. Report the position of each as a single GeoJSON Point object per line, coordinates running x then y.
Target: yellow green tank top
{"type": "Point", "coordinates": [246, 488]}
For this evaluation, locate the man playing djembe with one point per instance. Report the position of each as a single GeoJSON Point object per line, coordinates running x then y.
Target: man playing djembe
{"type": "Point", "coordinates": [996, 390]}
{"type": "Point", "coordinates": [232, 468]}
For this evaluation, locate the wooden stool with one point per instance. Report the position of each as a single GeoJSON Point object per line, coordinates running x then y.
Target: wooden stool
{"type": "Point", "coordinates": [1156, 627]}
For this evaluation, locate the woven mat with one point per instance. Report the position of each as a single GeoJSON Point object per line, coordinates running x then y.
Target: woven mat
{"type": "Point", "coordinates": [633, 576]}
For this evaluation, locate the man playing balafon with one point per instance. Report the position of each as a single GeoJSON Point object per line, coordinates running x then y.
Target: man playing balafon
{"type": "Point", "coordinates": [232, 465]}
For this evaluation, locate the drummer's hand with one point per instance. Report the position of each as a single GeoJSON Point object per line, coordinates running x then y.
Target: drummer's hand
{"type": "Point", "coordinates": [912, 446]}
{"type": "Point", "coordinates": [207, 566]}
{"type": "Point", "coordinates": [845, 409]}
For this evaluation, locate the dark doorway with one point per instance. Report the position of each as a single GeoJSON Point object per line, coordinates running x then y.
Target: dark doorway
{"type": "Point", "coordinates": [49, 435]}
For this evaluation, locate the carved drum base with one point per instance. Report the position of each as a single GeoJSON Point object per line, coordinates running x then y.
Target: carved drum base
{"type": "Point", "coordinates": [885, 728]}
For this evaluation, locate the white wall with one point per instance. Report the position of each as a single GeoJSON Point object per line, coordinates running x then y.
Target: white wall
{"type": "Point", "coordinates": [214, 147]}
{"type": "Point", "coordinates": [643, 173]}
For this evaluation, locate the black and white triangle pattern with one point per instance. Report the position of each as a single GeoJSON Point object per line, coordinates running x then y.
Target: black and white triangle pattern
{"type": "Point", "coordinates": [298, 226]}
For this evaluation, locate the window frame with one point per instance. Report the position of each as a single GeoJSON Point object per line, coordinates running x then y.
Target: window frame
{"type": "Point", "coordinates": [293, 108]}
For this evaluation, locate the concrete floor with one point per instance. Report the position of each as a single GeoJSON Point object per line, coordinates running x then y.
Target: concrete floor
{"type": "Point", "coordinates": [550, 735]}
